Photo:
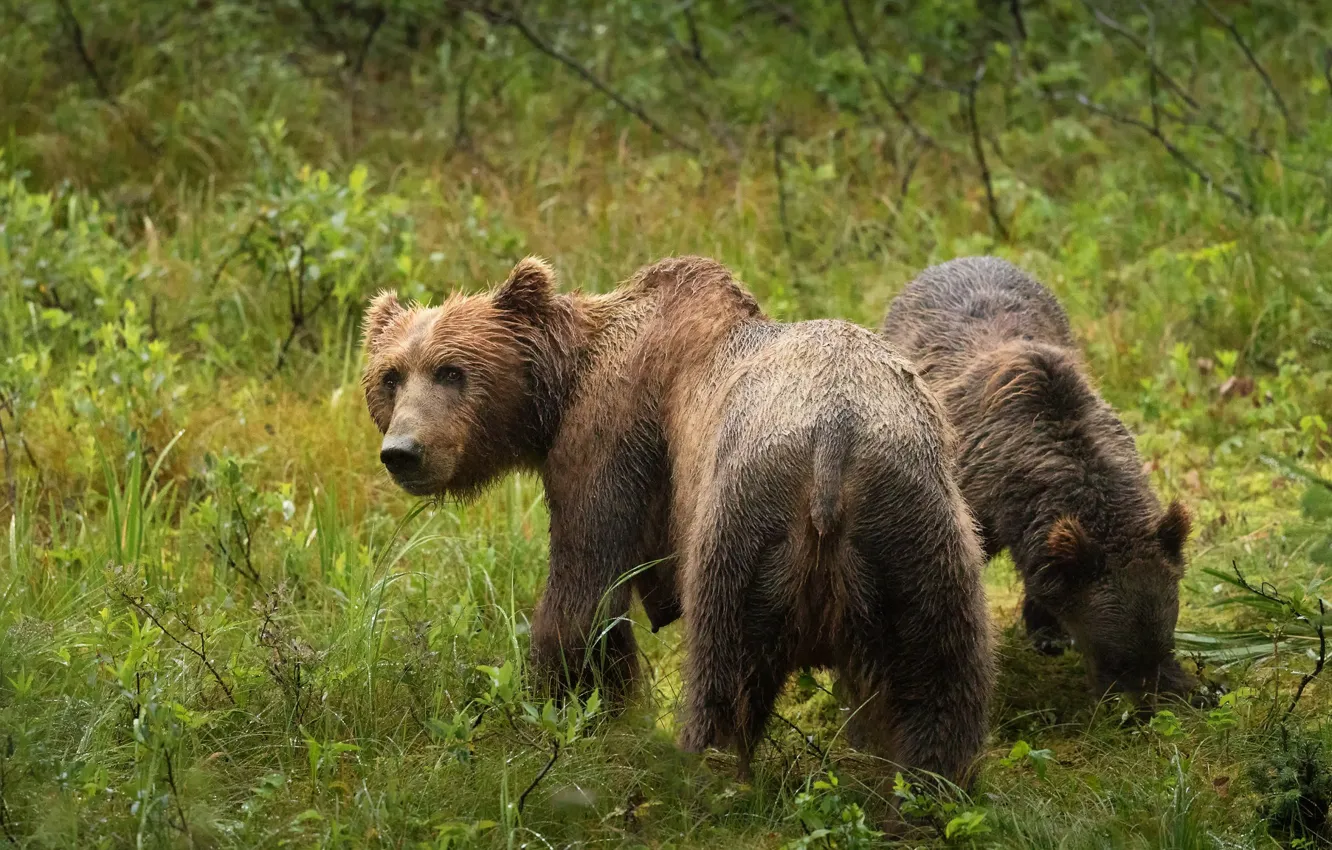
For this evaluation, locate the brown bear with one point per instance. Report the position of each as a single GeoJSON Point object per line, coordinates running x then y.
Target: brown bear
{"type": "Point", "coordinates": [799, 475]}
{"type": "Point", "coordinates": [1050, 472]}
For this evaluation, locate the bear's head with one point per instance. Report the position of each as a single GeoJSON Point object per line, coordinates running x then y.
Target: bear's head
{"type": "Point", "coordinates": [1119, 599]}
{"type": "Point", "coordinates": [450, 387]}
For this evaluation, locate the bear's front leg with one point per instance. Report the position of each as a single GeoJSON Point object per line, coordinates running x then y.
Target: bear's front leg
{"type": "Point", "coordinates": [604, 517]}
{"type": "Point", "coordinates": [1043, 628]}
{"type": "Point", "coordinates": [573, 648]}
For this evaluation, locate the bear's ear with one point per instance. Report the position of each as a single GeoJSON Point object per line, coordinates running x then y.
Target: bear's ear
{"type": "Point", "coordinates": [1073, 556]}
{"type": "Point", "coordinates": [528, 290]}
{"type": "Point", "coordinates": [383, 312]}
{"type": "Point", "coordinates": [1173, 530]}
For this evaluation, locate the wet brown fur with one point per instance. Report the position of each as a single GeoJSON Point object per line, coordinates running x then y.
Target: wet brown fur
{"type": "Point", "coordinates": [1049, 471]}
{"type": "Point", "coordinates": [799, 475]}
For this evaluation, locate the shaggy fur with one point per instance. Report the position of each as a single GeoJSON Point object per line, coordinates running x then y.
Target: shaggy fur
{"type": "Point", "coordinates": [1049, 471]}
{"type": "Point", "coordinates": [800, 475]}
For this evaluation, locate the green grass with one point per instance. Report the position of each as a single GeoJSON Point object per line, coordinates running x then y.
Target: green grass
{"type": "Point", "coordinates": [222, 626]}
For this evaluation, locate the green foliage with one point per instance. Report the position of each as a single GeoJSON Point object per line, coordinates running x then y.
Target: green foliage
{"type": "Point", "coordinates": [829, 820]}
{"type": "Point", "coordinates": [221, 626]}
{"type": "Point", "coordinates": [1022, 753]}
{"type": "Point", "coordinates": [1295, 781]}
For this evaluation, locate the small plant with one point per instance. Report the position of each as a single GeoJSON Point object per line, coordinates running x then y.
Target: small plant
{"type": "Point", "coordinates": [1165, 724]}
{"type": "Point", "coordinates": [1295, 781]}
{"type": "Point", "coordinates": [829, 820]}
{"type": "Point", "coordinates": [1022, 753]}
{"type": "Point", "coordinates": [949, 815]}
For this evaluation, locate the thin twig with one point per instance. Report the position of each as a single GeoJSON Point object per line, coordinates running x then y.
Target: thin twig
{"type": "Point", "coordinates": [175, 796]}
{"type": "Point", "coordinates": [70, 23]}
{"type": "Point", "coordinates": [1253, 60]}
{"type": "Point", "coordinates": [11, 487]}
{"type": "Point", "coordinates": [806, 738]}
{"type": "Point", "coordinates": [696, 43]}
{"type": "Point", "coordinates": [517, 23]}
{"type": "Point", "coordinates": [912, 162]}
{"type": "Point", "coordinates": [898, 108]}
{"type": "Point", "coordinates": [317, 21]}
{"type": "Point", "coordinates": [240, 248]}
{"type": "Point", "coordinates": [1114, 25]}
{"type": "Point", "coordinates": [555, 754]}
{"type": "Point", "coordinates": [377, 18]}
{"type": "Point", "coordinates": [1203, 120]}
{"type": "Point", "coordinates": [461, 137]}
{"type": "Point", "coordinates": [779, 170]}
{"type": "Point", "coordinates": [1327, 68]}
{"type": "Point", "coordinates": [1181, 157]}
{"type": "Point", "coordinates": [1015, 8]}
{"type": "Point", "coordinates": [979, 149]}
{"type": "Point", "coordinates": [200, 653]}
{"type": "Point", "coordinates": [5, 825]}
{"type": "Point", "coordinates": [1322, 656]}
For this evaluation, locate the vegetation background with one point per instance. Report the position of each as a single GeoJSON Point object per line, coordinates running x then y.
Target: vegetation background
{"type": "Point", "coordinates": [222, 626]}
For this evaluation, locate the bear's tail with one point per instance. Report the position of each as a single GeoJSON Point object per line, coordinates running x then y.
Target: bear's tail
{"type": "Point", "coordinates": [825, 504]}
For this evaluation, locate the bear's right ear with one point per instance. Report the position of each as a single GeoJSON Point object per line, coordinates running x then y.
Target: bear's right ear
{"type": "Point", "coordinates": [1073, 556]}
{"type": "Point", "coordinates": [528, 290]}
{"type": "Point", "coordinates": [383, 312]}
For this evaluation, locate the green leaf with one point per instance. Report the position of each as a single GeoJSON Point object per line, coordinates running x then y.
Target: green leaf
{"type": "Point", "coordinates": [969, 823]}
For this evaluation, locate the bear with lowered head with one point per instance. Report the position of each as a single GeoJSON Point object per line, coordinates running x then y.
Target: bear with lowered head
{"type": "Point", "coordinates": [1050, 472]}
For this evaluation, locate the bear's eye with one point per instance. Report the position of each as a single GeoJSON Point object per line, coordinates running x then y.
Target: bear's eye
{"type": "Point", "coordinates": [392, 378]}
{"type": "Point", "coordinates": [449, 376]}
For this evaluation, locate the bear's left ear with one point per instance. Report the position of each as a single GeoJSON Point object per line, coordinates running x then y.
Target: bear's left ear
{"type": "Point", "coordinates": [528, 290]}
{"type": "Point", "coordinates": [1073, 556]}
{"type": "Point", "coordinates": [1173, 530]}
{"type": "Point", "coordinates": [384, 311]}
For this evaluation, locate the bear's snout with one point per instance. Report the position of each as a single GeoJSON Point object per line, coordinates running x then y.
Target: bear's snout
{"type": "Point", "coordinates": [401, 455]}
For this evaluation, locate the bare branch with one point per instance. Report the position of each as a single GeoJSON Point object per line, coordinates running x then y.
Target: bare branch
{"type": "Point", "coordinates": [1253, 60]}
{"type": "Point", "coordinates": [696, 43]}
{"type": "Point", "coordinates": [1181, 157]}
{"type": "Point", "coordinates": [522, 799]}
{"type": "Point", "coordinates": [899, 109]}
{"type": "Point", "coordinates": [779, 170]}
{"type": "Point", "coordinates": [909, 172]}
{"type": "Point", "coordinates": [1327, 68]}
{"type": "Point", "coordinates": [1320, 629]}
{"type": "Point", "coordinates": [201, 653]}
{"type": "Point", "coordinates": [175, 796]}
{"type": "Point", "coordinates": [513, 20]}
{"type": "Point", "coordinates": [11, 487]}
{"type": "Point", "coordinates": [1015, 7]}
{"type": "Point", "coordinates": [70, 23]}
{"type": "Point", "coordinates": [979, 150]}
{"type": "Point", "coordinates": [807, 738]}
{"type": "Point", "coordinates": [1110, 23]}
{"type": "Point", "coordinates": [377, 18]}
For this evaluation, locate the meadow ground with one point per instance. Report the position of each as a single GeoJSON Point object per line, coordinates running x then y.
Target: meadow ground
{"type": "Point", "coordinates": [222, 626]}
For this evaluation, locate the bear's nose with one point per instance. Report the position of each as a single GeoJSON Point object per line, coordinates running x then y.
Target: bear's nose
{"type": "Point", "coordinates": [401, 455]}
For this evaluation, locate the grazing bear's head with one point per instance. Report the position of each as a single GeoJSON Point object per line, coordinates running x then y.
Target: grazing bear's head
{"type": "Point", "coordinates": [450, 386]}
{"type": "Point", "coordinates": [1120, 601]}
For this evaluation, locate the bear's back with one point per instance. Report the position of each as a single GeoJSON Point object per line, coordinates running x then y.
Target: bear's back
{"type": "Point", "coordinates": [792, 382]}
{"type": "Point", "coordinates": [957, 310]}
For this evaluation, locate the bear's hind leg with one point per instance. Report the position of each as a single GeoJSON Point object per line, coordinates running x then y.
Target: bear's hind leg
{"type": "Point", "coordinates": [736, 664]}
{"type": "Point", "coordinates": [921, 660]}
